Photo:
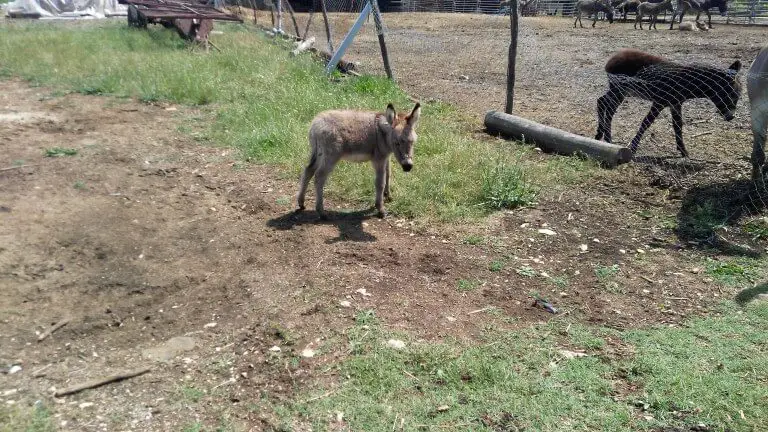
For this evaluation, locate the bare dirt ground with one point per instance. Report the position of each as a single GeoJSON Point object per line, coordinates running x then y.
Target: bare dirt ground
{"type": "Point", "coordinates": [146, 235]}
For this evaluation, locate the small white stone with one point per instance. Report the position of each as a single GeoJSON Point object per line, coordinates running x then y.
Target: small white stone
{"type": "Point", "coordinates": [546, 231]}
{"type": "Point", "coordinates": [363, 292]}
{"type": "Point", "coordinates": [596, 240]}
{"type": "Point", "coordinates": [623, 251]}
{"type": "Point", "coordinates": [14, 369]}
{"type": "Point", "coordinates": [86, 405]}
{"type": "Point", "coordinates": [275, 349]}
{"type": "Point", "coordinates": [450, 319]}
{"type": "Point", "coordinates": [210, 325]}
{"type": "Point", "coordinates": [396, 344]}
{"type": "Point", "coordinates": [308, 353]}
{"type": "Point", "coordinates": [345, 303]}
{"type": "Point", "coordinates": [583, 247]}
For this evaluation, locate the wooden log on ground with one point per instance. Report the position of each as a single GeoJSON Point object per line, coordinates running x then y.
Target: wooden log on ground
{"type": "Point", "coordinates": [554, 140]}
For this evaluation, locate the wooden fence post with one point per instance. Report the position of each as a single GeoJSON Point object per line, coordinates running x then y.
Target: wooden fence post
{"type": "Point", "coordinates": [380, 30]}
{"type": "Point", "coordinates": [327, 26]}
{"type": "Point", "coordinates": [514, 20]}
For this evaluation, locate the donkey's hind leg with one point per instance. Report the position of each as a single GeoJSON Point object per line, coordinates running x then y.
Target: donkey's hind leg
{"type": "Point", "coordinates": [759, 123]}
{"type": "Point", "coordinates": [607, 105]}
{"type": "Point", "coordinates": [677, 125]}
{"type": "Point", "coordinates": [647, 122]}
{"type": "Point", "coordinates": [306, 176]}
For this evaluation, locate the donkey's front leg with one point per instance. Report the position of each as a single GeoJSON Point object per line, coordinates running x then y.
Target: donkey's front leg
{"type": "Point", "coordinates": [387, 191]}
{"type": "Point", "coordinates": [380, 166]}
{"type": "Point", "coordinates": [647, 122]}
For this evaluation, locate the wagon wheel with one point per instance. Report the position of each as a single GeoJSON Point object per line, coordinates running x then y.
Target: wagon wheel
{"type": "Point", "coordinates": [135, 19]}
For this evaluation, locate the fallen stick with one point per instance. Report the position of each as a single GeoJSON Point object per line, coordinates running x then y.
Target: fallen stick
{"type": "Point", "coordinates": [702, 134]}
{"type": "Point", "coordinates": [101, 381]}
{"type": "Point", "coordinates": [39, 373]}
{"type": "Point", "coordinates": [324, 395]}
{"type": "Point", "coordinates": [55, 327]}
{"type": "Point", "coordinates": [15, 167]}
{"type": "Point", "coordinates": [487, 308]}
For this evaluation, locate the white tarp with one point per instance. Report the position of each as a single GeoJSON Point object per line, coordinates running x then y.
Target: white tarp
{"type": "Point", "coordinates": [65, 8]}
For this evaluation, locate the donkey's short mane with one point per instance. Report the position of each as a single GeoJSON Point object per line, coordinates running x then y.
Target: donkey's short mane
{"type": "Point", "coordinates": [630, 61]}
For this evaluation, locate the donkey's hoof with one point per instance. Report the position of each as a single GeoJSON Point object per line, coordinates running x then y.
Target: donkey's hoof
{"type": "Point", "coordinates": [300, 209]}
{"type": "Point", "coordinates": [381, 214]}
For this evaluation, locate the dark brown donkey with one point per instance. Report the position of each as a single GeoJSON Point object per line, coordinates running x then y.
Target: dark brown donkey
{"type": "Point", "coordinates": [633, 73]}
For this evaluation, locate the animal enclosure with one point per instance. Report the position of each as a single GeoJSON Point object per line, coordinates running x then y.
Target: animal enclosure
{"type": "Point", "coordinates": [462, 59]}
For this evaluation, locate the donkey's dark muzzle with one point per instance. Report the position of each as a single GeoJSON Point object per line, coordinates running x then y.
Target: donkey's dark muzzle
{"type": "Point", "coordinates": [407, 167]}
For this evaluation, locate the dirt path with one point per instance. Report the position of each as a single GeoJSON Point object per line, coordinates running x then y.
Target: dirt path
{"type": "Point", "coordinates": [146, 235]}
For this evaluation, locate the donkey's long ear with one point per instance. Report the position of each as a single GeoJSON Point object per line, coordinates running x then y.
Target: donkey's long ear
{"type": "Point", "coordinates": [735, 66]}
{"type": "Point", "coordinates": [413, 118]}
{"type": "Point", "coordinates": [390, 114]}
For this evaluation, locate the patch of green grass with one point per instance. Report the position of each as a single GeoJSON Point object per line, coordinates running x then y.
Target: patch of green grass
{"type": "Point", "coordinates": [60, 151]}
{"type": "Point", "coordinates": [757, 229]}
{"type": "Point", "coordinates": [707, 371]}
{"type": "Point", "coordinates": [14, 418]}
{"type": "Point", "coordinates": [474, 240]}
{"type": "Point", "coordinates": [527, 271]}
{"type": "Point", "coordinates": [262, 100]}
{"type": "Point", "coordinates": [701, 220]}
{"type": "Point", "coordinates": [560, 281]}
{"type": "Point", "coordinates": [465, 285]}
{"type": "Point", "coordinates": [79, 184]}
{"type": "Point", "coordinates": [604, 273]}
{"type": "Point", "coordinates": [506, 185]}
{"type": "Point", "coordinates": [734, 271]}
{"type": "Point", "coordinates": [191, 394]}
{"type": "Point", "coordinates": [496, 266]}
{"type": "Point", "coordinates": [606, 276]}
{"type": "Point", "coordinates": [194, 427]}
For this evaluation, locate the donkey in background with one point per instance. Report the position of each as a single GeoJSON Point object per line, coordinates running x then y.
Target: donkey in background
{"type": "Point", "coordinates": [757, 89]}
{"type": "Point", "coordinates": [653, 10]}
{"type": "Point", "coordinates": [358, 136]}
{"type": "Point", "coordinates": [633, 73]}
{"type": "Point", "coordinates": [592, 7]}
{"type": "Point", "coordinates": [698, 6]}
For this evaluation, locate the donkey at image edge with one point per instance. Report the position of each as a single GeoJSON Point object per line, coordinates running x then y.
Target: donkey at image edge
{"type": "Point", "coordinates": [359, 136]}
{"type": "Point", "coordinates": [633, 73]}
{"type": "Point", "coordinates": [757, 89]}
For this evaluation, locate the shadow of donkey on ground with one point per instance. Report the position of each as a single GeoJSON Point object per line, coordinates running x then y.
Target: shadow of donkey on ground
{"type": "Point", "coordinates": [706, 209]}
{"type": "Point", "coordinates": [349, 224]}
{"type": "Point", "coordinates": [749, 294]}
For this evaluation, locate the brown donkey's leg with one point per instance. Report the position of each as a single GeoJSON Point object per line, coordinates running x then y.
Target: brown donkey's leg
{"type": "Point", "coordinates": [647, 122]}
{"type": "Point", "coordinates": [677, 125]}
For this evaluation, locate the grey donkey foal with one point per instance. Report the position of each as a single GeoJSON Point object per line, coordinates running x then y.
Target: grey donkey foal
{"type": "Point", "coordinates": [359, 136]}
